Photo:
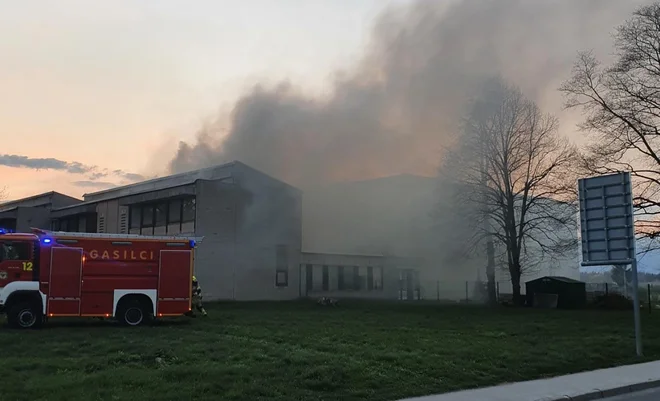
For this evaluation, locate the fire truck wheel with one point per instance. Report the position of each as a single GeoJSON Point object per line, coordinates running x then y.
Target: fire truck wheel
{"type": "Point", "coordinates": [132, 312]}
{"type": "Point", "coordinates": [25, 315]}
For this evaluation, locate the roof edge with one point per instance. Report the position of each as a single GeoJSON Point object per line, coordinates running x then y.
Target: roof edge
{"type": "Point", "coordinates": [37, 196]}
{"type": "Point", "coordinates": [158, 179]}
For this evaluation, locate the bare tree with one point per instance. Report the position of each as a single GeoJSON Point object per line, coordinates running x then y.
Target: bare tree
{"type": "Point", "coordinates": [622, 107]}
{"type": "Point", "coordinates": [512, 174]}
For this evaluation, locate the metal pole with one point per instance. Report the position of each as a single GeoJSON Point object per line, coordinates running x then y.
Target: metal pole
{"type": "Point", "coordinates": [635, 282]}
{"type": "Point", "coordinates": [638, 323]}
{"type": "Point", "coordinates": [648, 294]}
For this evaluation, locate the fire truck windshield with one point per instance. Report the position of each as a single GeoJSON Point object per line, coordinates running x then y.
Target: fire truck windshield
{"type": "Point", "coordinates": [8, 252]}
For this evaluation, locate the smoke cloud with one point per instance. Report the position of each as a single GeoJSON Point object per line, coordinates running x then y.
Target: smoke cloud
{"type": "Point", "coordinates": [400, 106]}
{"type": "Point", "coordinates": [94, 172]}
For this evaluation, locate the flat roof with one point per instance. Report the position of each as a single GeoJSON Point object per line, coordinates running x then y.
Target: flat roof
{"type": "Point", "coordinates": [31, 197]}
{"type": "Point", "coordinates": [17, 202]}
{"type": "Point", "coordinates": [177, 180]}
{"type": "Point", "coordinates": [89, 206]}
{"type": "Point", "coordinates": [161, 179]}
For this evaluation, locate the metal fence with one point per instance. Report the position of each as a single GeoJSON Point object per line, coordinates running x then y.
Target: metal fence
{"type": "Point", "coordinates": [464, 291]}
{"type": "Point", "coordinates": [475, 292]}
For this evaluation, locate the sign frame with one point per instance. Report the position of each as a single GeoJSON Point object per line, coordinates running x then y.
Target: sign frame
{"type": "Point", "coordinates": [607, 229]}
{"type": "Point", "coordinates": [606, 220]}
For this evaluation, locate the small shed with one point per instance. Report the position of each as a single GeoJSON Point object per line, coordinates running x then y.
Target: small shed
{"type": "Point", "coordinates": [569, 293]}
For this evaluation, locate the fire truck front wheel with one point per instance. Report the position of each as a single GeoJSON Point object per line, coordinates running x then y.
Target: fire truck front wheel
{"type": "Point", "coordinates": [25, 315]}
{"type": "Point", "coordinates": [133, 312]}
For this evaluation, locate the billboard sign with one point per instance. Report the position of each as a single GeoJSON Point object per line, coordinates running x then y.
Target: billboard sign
{"type": "Point", "coordinates": [606, 220]}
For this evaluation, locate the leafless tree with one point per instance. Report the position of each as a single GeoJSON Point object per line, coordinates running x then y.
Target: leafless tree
{"type": "Point", "coordinates": [512, 176]}
{"type": "Point", "coordinates": [622, 108]}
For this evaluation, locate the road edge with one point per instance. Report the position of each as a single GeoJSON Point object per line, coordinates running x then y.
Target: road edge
{"type": "Point", "coordinates": [598, 394]}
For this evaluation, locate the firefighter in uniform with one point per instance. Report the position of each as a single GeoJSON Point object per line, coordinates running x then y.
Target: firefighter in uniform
{"type": "Point", "coordinates": [197, 298]}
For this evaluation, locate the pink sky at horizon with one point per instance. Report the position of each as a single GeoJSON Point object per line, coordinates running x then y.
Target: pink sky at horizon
{"type": "Point", "coordinates": [117, 84]}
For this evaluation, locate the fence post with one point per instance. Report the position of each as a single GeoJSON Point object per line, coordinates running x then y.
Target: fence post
{"type": "Point", "coordinates": [437, 288]}
{"type": "Point", "coordinates": [467, 298]}
{"type": "Point", "coordinates": [648, 290]}
{"type": "Point", "coordinates": [606, 290]}
{"type": "Point", "coordinates": [497, 291]}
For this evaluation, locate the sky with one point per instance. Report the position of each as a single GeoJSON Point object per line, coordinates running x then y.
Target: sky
{"type": "Point", "coordinates": [103, 91]}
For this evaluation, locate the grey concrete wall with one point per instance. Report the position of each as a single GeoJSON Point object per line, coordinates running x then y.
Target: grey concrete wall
{"type": "Point", "coordinates": [242, 224]}
{"type": "Point", "coordinates": [36, 217]}
{"type": "Point", "coordinates": [271, 216]}
{"type": "Point", "coordinates": [215, 259]}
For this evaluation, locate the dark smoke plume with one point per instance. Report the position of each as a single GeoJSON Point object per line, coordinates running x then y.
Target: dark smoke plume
{"type": "Point", "coordinates": [400, 106]}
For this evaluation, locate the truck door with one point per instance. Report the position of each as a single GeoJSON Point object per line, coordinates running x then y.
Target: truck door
{"type": "Point", "coordinates": [65, 281]}
{"type": "Point", "coordinates": [174, 282]}
{"type": "Point", "coordinates": [17, 261]}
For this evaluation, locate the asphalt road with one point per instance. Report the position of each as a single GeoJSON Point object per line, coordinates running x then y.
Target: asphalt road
{"type": "Point", "coordinates": [648, 395]}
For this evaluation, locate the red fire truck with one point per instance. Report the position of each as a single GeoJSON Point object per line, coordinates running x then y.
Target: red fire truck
{"type": "Point", "coordinates": [131, 278]}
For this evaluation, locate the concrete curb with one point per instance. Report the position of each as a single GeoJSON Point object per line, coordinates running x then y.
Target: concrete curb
{"type": "Point", "coordinates": [597, 394]}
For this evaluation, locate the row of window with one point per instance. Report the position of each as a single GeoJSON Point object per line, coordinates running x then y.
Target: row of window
{"type": "Point", "coordinates": [339, 278]}
{"type": "Point", "coordinates": [81, 223]}
{"type": "Point", "coordinates": [176, 216]}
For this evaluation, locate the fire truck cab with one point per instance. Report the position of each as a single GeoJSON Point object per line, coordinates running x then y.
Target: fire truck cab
{"type": "Point", "coordinates": [131, 278]}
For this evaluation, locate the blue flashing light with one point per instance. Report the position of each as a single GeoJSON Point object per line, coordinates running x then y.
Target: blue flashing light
{"type": "Point", "coordinates": [192, 243]}
{"type": "Point", "coordinates": [47, 240]}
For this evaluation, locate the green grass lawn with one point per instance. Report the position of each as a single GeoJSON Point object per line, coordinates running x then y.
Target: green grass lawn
{"type": "Point", "coordinates": [299, 351]}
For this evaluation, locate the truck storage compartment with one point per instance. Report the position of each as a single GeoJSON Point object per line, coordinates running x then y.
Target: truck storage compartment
{"type": "Point", "coordinates": [175, 268]}
{"type": "Point", "coordinates": [65, 282]}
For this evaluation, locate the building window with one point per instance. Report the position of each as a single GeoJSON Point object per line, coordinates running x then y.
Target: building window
{"type": "Point", "coordinates": [282, 279]}
{"type": "Point", "coordinates": [341, 283]}
{"type": "Point", "coordinates": [326, 279]}
{"type": "Point", "coordinates": [282, 267]}
{"type": "Point", "coordinates": [188, 215]}
{"type": "Point", "coordinates": [82, 223]}
{"type": "Point", "coordinates": [378, 278]}
{"type": "Point", "coordinates": [147, 227]}
{"type": "Point", "coordinates": [174, 217]}
{"type": "Point", "coordinates": [135, 219]}
{"type": "Point", "coordinates": [171, 217]}
{"type": "Point", "coordinates": [160, 219]}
